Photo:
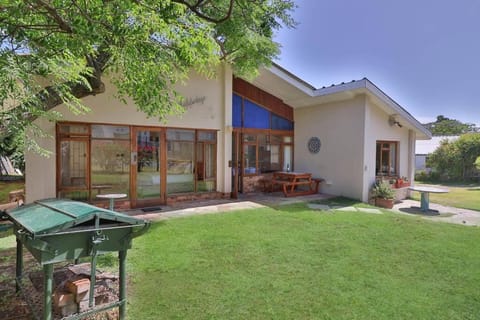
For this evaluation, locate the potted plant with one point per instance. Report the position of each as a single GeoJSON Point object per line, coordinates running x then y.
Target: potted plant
{"type": "Point", "coordinates": [384, 195]}
{"type": "Point", "coordinates": [402, 182]}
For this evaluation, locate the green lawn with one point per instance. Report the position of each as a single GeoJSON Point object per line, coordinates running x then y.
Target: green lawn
{"type": "Point", "coordinates": [7, 186]}
{"type": "Point", "coordinates": [294, 263]}
{"type": "Point", "coordinates": [460, 196]}
{"type": "Point", "coordinates": [290, 262]}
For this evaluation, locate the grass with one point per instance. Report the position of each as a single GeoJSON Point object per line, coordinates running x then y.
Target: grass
{"type": "Point", "coordinates": [294, 263]}
{"type": "Point", "coordinates": [7, 186]}
{"type": "Point", "coordinates": [460, 196]}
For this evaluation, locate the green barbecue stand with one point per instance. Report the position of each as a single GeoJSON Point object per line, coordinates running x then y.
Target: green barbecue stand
{"type": "Point", "coordinates": [56, 230]}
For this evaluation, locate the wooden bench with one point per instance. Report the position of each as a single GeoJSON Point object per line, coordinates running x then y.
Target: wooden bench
{"type": "Point", "coordinates": [289, 188]}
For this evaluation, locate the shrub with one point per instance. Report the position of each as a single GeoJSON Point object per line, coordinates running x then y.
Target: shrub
{"type": "Point", "coordinates": [383, 190]}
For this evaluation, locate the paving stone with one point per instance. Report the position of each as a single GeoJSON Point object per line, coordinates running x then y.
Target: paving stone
{"type": "Point", "coordinates": [370, 210]}
{"type": "Point", "coordinates": [346, 208]}
{"type": "Point", "coordinates": [316, 206]}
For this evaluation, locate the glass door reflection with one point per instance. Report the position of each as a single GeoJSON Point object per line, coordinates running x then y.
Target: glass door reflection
{"type": "Point", "coordinates": [148, 182]}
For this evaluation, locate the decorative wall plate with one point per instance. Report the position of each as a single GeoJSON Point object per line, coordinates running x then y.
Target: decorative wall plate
{"type": "Point", "coordinates": [314, 145]}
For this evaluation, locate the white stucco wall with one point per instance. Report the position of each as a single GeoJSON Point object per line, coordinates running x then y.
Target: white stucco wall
{"type": "Point", "coordinates": [340, 128]}
{"type": "Point", "coordinates": [209, 114]}
{"type": "Point", "coordinates": [377, 127]}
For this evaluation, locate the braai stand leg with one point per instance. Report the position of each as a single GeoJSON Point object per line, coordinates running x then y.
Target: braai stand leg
{"type": "Point", "coordinates": [19, 266]}
{"type": "Point", "coordinates": [122, 258]}
{"type": "Point", "coordinates": [48, 288]}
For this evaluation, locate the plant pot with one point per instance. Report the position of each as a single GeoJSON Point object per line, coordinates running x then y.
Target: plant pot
{"type": "Point", "coordinates": [384, 203]}
{"type": "Point", "coordinates": [402, 184]}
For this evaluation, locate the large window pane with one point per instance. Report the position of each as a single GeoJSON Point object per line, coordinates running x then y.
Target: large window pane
{"type": "Point", "coordinates": [148, 164]}
{"type": "Point", "coordinates": [180, 156]}
{"type": "Point", "coordinates": [206, 164]}
{"type": "Point", "coordinates": [386, 158]}
{"type": "Point", "coordinates": [256, 116]}
{"type": "Point", "coordinates": [110, 166]}
{"type": "Point", "coordinates": [73, 164]}
{"type": "Point", "coordinates": [237, 111]}
{"type": "Point", "coordinates": [180, 161]}
{"type": "Point", "coordinates": [287, 158]}
{"type": "Point", "coordinates": [250, 158]}
{"type": "Point", "coordinates": [279, 123]}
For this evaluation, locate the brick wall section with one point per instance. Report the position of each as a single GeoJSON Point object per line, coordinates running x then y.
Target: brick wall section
{"type": "Point", "coordinates": [260, 183]}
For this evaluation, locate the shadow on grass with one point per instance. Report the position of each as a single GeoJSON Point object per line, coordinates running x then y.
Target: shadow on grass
{"type": "Point", "coordinates": [341, 202]}
{"type": "Point", "coordinates": [291, 207]}
{"type": "Point", "coordinates": [334, 203]}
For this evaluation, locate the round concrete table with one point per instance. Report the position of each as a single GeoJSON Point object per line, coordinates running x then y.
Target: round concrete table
{"type": "Point", "coordinates": [112, 197]}
{"type": "Point", "coordinates": [425, 195]}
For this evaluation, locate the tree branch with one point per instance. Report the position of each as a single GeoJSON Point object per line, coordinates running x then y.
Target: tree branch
{"type": "Point", "coordinates": [63, 25]}
{"type": "Point", "coordinates": [196, 9]}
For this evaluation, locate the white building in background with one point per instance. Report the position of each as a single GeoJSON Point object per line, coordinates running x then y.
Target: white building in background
{"type": "Point", "coordinates": [425, 147]}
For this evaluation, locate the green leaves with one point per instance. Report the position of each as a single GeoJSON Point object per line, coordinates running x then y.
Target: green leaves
{"type": "Point", "coordinates": [58, 51]}
{"type": "Point", "coordinates": [449, 127]}
{"type": "Point", "coordinates": [456, 160]}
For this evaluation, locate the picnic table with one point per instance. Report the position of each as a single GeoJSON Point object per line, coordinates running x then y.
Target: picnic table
{"type": "Point", "coordinates": [290, 181]}
{"type": "Point", "coordinates": [425, 195]}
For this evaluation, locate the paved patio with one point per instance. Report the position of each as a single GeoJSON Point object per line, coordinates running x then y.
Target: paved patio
{"type": "Point", "coordinates": [252, 201]}
{"type": "Point", "coordinates": [439, 213]}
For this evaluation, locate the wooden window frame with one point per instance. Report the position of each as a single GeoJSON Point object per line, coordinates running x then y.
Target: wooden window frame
{"type": "Point", "coordinates": [379, 154]}
{"type": "Point", "coordinates": [87, 137]}
{"type": "Point", "coordinates": [256, 144]}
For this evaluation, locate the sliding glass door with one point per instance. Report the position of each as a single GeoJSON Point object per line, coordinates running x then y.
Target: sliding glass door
{"type": "Point", "coordinates": [147, 167]}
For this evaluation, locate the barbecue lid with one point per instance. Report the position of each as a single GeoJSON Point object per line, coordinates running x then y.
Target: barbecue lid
{"type": "Point", "coordinates": [58, 215]}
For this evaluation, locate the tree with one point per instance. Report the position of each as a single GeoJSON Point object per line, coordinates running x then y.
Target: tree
{"type": "Point", "coordinates": [449, 127]}
{"type": "Point", "coordinates": [456, 160]}
{"type": "Point", "coordinates": [58, 51]}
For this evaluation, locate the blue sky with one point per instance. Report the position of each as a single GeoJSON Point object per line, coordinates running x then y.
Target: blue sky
{"type": "Point", "coordinates": [424, 54]}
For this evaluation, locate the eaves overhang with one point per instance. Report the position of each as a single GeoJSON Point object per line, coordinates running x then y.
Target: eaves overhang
{"type": "Point", "coordinates": [298, 94]}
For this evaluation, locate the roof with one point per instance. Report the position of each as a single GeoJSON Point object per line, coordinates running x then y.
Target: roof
{"type": "Point", "coordinates": [298, 93]}
{"type": "Point", "coordinates": [424, 147]}
{"type": "Point", "coordinates": [55, 215]}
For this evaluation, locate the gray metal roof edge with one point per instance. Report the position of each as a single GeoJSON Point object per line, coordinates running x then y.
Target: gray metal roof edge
{"type": "Point", "coordinates": [364, 83]}
{"type": "Point", "coordinates": [374, 89]}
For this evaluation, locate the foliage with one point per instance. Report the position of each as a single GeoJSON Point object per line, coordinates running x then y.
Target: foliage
{"type": "Point", "coordinates": [54, 52]}
{"type": "Point", "coordinates": [424, 176]}
{"type": "Point", "coordinates": [456, 160]}
{"type": "Point", "coordinates": [477, 163]}
{"type": "Point", "coordinates": [382, 189]}
{"type": "Point", "coordinates": [449, 127]}
{"type": "Point", "coordinates": [301, 264]}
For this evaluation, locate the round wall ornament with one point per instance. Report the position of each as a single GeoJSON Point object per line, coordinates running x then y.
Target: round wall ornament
{"type": "Point", "coordinates": [314, 145]}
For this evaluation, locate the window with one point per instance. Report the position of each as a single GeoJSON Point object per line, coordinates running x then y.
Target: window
{"type": "Point", "coordinates": [206, 161]}
{"type": "Point", "coordinates": [191, 160]}
{"type": "Point", "coordinates": [73, 176]}
{"type": "Point", "coordinates": [264, 153]}
{"type": "Point", "coordinates": [386, 158]}
{"type": "Point", "coordinates": [248, 114]}
{"type": "Point", "coordinates": [110, 159]}
{"type": "Point", "coordinates": [95, 158]}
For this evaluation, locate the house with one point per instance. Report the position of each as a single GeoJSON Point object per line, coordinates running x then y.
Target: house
{"type": "Point", "coordinates": [233, 134]}
{"type": "Point", "coordinates": [425, 147]}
